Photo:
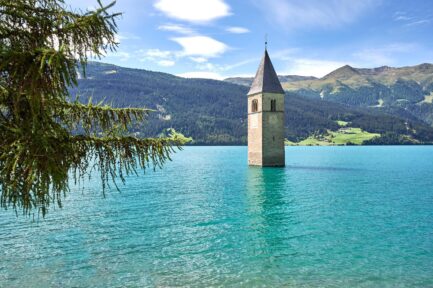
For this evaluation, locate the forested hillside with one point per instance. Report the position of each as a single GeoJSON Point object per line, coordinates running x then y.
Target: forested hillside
{"type": "Point", "coordinates": [214, 112]}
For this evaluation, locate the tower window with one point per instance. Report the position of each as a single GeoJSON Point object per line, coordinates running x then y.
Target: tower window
{"type": "Point", "coordinates": [273, 105]}
{"type": "Point", "coordinates": [255, 105]}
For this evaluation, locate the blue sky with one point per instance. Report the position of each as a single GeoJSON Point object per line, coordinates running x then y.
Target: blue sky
{"type": "Point", "coordinates": [225, 38]}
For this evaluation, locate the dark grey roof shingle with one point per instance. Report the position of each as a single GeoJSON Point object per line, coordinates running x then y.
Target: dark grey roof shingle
{"type": "Point", "coordinates": [266, 79]}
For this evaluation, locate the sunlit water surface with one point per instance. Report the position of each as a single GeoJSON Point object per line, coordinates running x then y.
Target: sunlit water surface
{"type": "Point", "coordinates": [333, 217]}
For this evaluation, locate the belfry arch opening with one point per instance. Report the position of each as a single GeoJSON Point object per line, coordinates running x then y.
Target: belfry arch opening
{"type": "Point", "coordinates": [273, 105]}
{"type": "Point", "coordinates": [254, 105]}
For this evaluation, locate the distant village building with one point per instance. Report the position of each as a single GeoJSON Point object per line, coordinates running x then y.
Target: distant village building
{"type": "Point", "coordinates": [266, 117]}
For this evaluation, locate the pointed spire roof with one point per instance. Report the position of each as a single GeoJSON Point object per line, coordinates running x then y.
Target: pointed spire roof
{"type": "Point", "coordinates": [266, 80]}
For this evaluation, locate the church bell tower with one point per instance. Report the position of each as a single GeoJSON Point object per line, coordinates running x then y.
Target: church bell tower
{"type": "Point", "coordinates": [266, 117]}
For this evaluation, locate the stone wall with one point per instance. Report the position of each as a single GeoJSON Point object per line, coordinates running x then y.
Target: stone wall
{"type": "Point", "coordinates": [266, 131]}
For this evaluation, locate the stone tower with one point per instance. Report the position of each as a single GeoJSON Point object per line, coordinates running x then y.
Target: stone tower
{"type": "Point", "coordinates": [266, 117]}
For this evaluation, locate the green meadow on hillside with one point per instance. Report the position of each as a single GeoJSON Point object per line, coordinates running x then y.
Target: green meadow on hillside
{"type": "Point", "coordinates": [343, 136]}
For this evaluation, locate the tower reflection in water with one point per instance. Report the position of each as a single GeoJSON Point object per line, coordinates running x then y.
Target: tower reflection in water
{"type": "Point", "coordinates": [272, 218]}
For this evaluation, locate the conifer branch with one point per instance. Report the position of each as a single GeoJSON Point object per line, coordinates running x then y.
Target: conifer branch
{"type": "Point", "coordinates": [97, 116]}
{"type": "Point", "coordinates": [42, 44]}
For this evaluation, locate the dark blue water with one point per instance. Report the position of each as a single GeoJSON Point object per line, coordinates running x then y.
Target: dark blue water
{"type": "Point", "coordinates": [334, 217]}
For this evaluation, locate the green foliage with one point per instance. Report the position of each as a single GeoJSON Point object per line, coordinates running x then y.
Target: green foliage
{"type": "Point", "coordinates": [390, 138]}
{"type": "Point", "coordinates": [179, 137]}
{"type": "Point", "coordinates": [42, 44]}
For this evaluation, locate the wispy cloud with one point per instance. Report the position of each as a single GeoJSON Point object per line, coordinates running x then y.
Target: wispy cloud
{"type": "Point", "coordinates": [181, 29]}
{"type": "Point", "coordinates": [215, 71]}
{"type": "Point", "coordinates": [121, 55]}
{"type": "Point", "coordinates": [156, 53]}
{"type": "Point", "coordinates": [383, 55]}
{"type": "Point", "coordinates": [237, 30]}
{"type": "Point", "coordinates": [166, 63]}
{"type": "Point", "coordinates": [314, 13]}
{"type": "Point", "coordinates": [210, 67]}
{"type": "Point", "coordinates": [201, 46]}
{"type": "Point", "coordinates": [402, 18]}
{"type": "Point", "coordinates": [294, 61]}
{"type": "Point", "coordinates": [196, 11]}
{"type": "Point", "coordinates": [198, 59]}
{"type": "Point", "coordinates": [238, 64]}
{"type": "Point", "coordinates": [311, 67]}
{"type": "Point", "coordinates": [162, 58]}
{"type": "Point", "coordinates": [286, 54]}
{"type": "Point", "coordinates": [198, 49]}
{"type": "Point", "coordinates": [410, 20]}
{"type": "Point", "coordinates": [127, 36]}
{"type": "Point", "coordinates": [417, 22]}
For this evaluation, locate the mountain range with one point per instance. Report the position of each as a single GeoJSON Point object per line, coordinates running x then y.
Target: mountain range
{"type": "Point", "coordinates": [393, 102]}
{"type": "Point", "coordinates": [406, 92]}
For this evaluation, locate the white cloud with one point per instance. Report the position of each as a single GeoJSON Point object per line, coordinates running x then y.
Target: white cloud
{"type": "Point", "coordinates": [161, 57]}
{"type": "Point", "coordinates": [209, 67]}
{"type": "Point", "coordinates": [121, 55]}
{"type": "Point", "coordinates": [201, 74]}
{"type": "Point", "coordinates": [202, 46]}
{"type": "Point", "coordinates": [239, 64]}
{"type": "Point", "coordinates": [313, 13]}
{"type": "Point", "coordinates": [197, 48]}
{"type": "Point", "coordinates": [156, 53]}
{"type": "Point", "coordinates": [127, 36]}
{"type": "Point", "coordinates": [418, 22]}
{"type": "Point", "coordinates": [176, 28]}
{"type": "Point", "coordinates": [198, 11]}
{"type": "Point", "coordinates": [216, 69]}
{"type": "Point", "coordinates": [286, 54]}
{"type": "Point", "coordinates": [295, 61]}
{"type": "Point", "coordinates": [408, 20]}
{"type": "Point", "coordinates": [298, 64]}
{"type": "Point", "coordinates": [166, 63]}
{"type": "Point", "coordinates": [402, 18]}
{"type": "Point", "coordinates": [312, 67]}
{"type": "Point", "coordinates": [237, 30]}
{"type": "Point", "coordinates": [198, 59]}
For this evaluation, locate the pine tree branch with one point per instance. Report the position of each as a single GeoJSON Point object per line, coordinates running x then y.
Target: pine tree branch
{"type": "Point", "coordinates": [117, 157]}
{"type": "Point", "coordinates": [32, 176]}
{"type": "Point", "coordinates": [42, 44]}
{"type": "Point", "coordinates": [93, 116]}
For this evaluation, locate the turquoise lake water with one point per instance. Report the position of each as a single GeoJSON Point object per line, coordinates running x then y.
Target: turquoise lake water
{"type": "Point", "coordinates": [334, 217]}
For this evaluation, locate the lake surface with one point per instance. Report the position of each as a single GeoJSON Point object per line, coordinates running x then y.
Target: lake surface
{"type": "Point", "coordinates": [334, 217]}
